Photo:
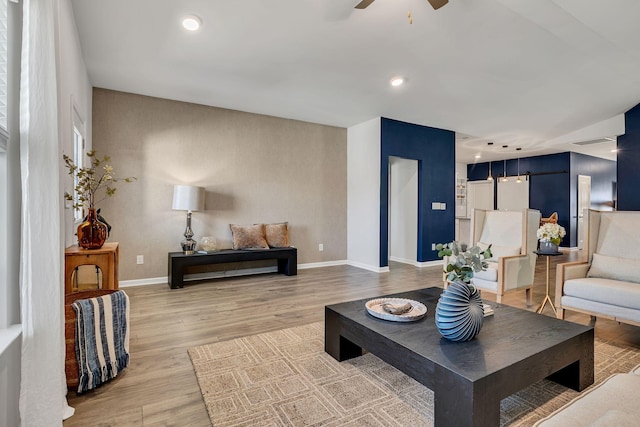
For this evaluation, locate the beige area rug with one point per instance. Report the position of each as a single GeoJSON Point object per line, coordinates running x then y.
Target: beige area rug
{"type": "Point", "coordinates": [284, 378]}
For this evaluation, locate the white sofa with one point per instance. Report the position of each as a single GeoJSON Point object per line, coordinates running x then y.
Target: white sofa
{"type": "Point", "coordinates": [614, 402]}
{"type": "Point", "coordinates": [607, 283]}
{"type": "Point", "coordinates": [512, 235]}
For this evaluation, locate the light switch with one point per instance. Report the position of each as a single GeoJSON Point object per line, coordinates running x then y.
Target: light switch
{"type": "Point", "coordinates": [435, 206]}
{"type": "Point", "coordinates": [443, 206]}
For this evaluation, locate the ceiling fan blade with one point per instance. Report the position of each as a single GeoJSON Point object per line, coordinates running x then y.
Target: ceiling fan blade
{"type": "Point", "coordinates": [365, 3]}
{"type": "Point", "coordinates": [436, 4]}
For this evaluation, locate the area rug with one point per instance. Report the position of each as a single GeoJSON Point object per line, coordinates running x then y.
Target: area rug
{"type": "Point", "coordinates": [284, 378]}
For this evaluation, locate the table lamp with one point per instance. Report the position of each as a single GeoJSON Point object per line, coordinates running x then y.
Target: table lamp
{"type": "Point", "coordinates": [188, 198]}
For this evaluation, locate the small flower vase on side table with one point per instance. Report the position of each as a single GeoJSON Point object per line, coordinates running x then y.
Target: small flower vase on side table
{"type": "Point", "coordinates": [459, 312]}
{"type": "Point", "coordinates": [92, 233]}
{"type": "Point", "coordinates": [548, 247]}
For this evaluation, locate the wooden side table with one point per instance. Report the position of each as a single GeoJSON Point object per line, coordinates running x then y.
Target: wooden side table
{"type": "Point", "coordinates": [106, 258]}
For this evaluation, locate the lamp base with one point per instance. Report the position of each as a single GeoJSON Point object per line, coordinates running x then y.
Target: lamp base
{"type": "Point", "coordinates": [188, 246]}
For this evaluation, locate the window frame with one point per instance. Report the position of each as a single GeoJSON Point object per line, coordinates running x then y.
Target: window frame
{"type": "Point", "coordinates": [5, 300]}
{"type": "Point", "coordinates": [78, 138]}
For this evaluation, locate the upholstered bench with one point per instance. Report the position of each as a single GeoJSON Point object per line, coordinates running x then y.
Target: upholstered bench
{"type": "Point", "coordinates": [614, 402]}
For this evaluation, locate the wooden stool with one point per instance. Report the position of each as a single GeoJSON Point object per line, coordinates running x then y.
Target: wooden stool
{"type": "Point", "coordinates": [106, 258]}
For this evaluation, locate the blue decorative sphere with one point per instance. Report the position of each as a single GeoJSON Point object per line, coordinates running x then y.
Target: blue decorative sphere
{"type": "Point", "coordinates": [459, 313]}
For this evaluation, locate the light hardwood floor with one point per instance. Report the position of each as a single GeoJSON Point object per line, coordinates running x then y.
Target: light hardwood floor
{"type": "Point", "coordinates": [159, 388]}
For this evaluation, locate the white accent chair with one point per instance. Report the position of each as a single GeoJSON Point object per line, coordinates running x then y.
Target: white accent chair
{"type": "Point", "coordinates": [614, 402]}
{"type": "Point", "coordinates": [607, 283]}
{"type": "Point", "coordinates": [512, 235]}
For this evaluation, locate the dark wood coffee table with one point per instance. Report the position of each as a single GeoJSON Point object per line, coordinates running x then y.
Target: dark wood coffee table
{"type": "Point", "coordinates": [514, 349]}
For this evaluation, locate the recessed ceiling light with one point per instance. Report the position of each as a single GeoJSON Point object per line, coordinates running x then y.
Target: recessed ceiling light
{"type": "Point", "coordinates": [191, 23]}
{"type": "Point", "coordinates": [478, 156]}
{"type": "Point", "coordinates": [615, 150]}
{"type": "Point", "coordinates": [397, 81]}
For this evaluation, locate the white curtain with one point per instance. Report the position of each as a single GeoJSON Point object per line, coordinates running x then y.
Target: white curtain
{"type": "Point", "coordinates": [42, 391]}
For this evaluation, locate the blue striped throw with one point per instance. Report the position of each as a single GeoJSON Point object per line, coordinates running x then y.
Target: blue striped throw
{"type": "Point", "coordinates": [102, 338]}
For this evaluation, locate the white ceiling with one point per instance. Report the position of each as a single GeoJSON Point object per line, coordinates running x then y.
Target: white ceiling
{"type": "Point", "coordinates": [521, 73]}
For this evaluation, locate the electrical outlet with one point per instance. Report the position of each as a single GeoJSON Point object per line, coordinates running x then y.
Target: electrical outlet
{"type": "Point", "coordinates": [320, 247]}
{"type": "Point", "coordinates": [140, 259]}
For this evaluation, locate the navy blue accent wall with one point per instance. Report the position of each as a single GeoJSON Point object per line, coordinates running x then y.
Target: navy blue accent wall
{"type": "Point", "coordinates": [548, 190]}
{"type": "Point", "coordinates": [629, 162]}
{"type": "Point", "coordinates": [434, 149]}
{"type": "Point", "coordinates": [549, 194]}
{"type": "Point", "coordinates": [553, 183]}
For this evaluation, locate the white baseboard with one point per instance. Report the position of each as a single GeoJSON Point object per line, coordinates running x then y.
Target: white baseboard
{"type": "Point", "coordinates": [436, 263]}
{"type": "Point", "coordinates": [229, 273]}
{"type": "Point", "coordinates": [142, 282]}
{"type": "Point", "coordinates": [322, 264]}
{"type": "Point", "coordinates": [419, 264]}
{"type": "Point", "coordinates": [369, 267]}
{"type": "Point", "coordinates": [402, 260]}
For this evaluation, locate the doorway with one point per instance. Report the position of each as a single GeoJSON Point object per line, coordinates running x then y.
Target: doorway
{"type": "Point", "coordinates": [584, 203]}
{"type": "Point", "coordinates": [403, 210]}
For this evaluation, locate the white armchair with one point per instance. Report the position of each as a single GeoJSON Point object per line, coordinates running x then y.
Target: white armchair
{"type": "Point", "coordinates": [512, 235]}
{"type": "Point", "coordinates": [607, 283]}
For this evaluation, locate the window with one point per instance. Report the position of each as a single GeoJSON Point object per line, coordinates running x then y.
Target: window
{"type": "Point", "coordinates": [4, 276]}
{"type": "Point", "coordinates": [78, 157]}
{"type": "Point", "coordinates": [3, 63]}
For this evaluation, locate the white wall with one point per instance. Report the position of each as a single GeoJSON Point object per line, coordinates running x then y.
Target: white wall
{"type": "Point", "coordinates": [254, 168]}
{"type": "Point", "coordinates": [513, 195]}
{"type": "Point", "coordinates": [403, 212]}
{"type": "Point", "coordinates": [363, 195]}
{"type": "Point", "coordinates": [74, 93]}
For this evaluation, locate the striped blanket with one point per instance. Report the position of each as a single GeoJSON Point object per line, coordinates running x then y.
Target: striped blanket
{"type": "Point", "coordinates": [102, 338]}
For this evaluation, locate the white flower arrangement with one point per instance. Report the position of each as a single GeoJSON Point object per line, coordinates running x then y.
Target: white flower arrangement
{"type": "Point", "coordinates": [551, 232]}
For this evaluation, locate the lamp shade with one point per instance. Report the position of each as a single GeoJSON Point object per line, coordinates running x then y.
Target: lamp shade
{"type": "Point", "coordinates": [188, 198]}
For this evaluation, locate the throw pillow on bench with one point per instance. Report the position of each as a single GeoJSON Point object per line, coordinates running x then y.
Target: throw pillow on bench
{"type": "Point", "coordinates": [260, 236]}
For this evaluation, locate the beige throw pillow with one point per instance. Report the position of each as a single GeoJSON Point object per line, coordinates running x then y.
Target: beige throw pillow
{"type": "Point", "coordinates": [277, 235]}
{"type": "Point", "coordinates": [614, 268]}
{"type": "Point", "coordinates": [248, 236]}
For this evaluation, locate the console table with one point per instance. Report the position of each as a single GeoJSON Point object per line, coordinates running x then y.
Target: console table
{"type": "Point", "coordinates": [287, 261]}
{"type": "Point", "coordinates": [106, 258]}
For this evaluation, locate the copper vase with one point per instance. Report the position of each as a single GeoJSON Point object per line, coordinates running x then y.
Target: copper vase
{"type": "Point", "coordinates": [92, 233]}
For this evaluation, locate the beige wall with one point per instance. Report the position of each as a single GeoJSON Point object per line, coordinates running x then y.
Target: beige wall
{"type": "Point", "coordinates": [254, 168]}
